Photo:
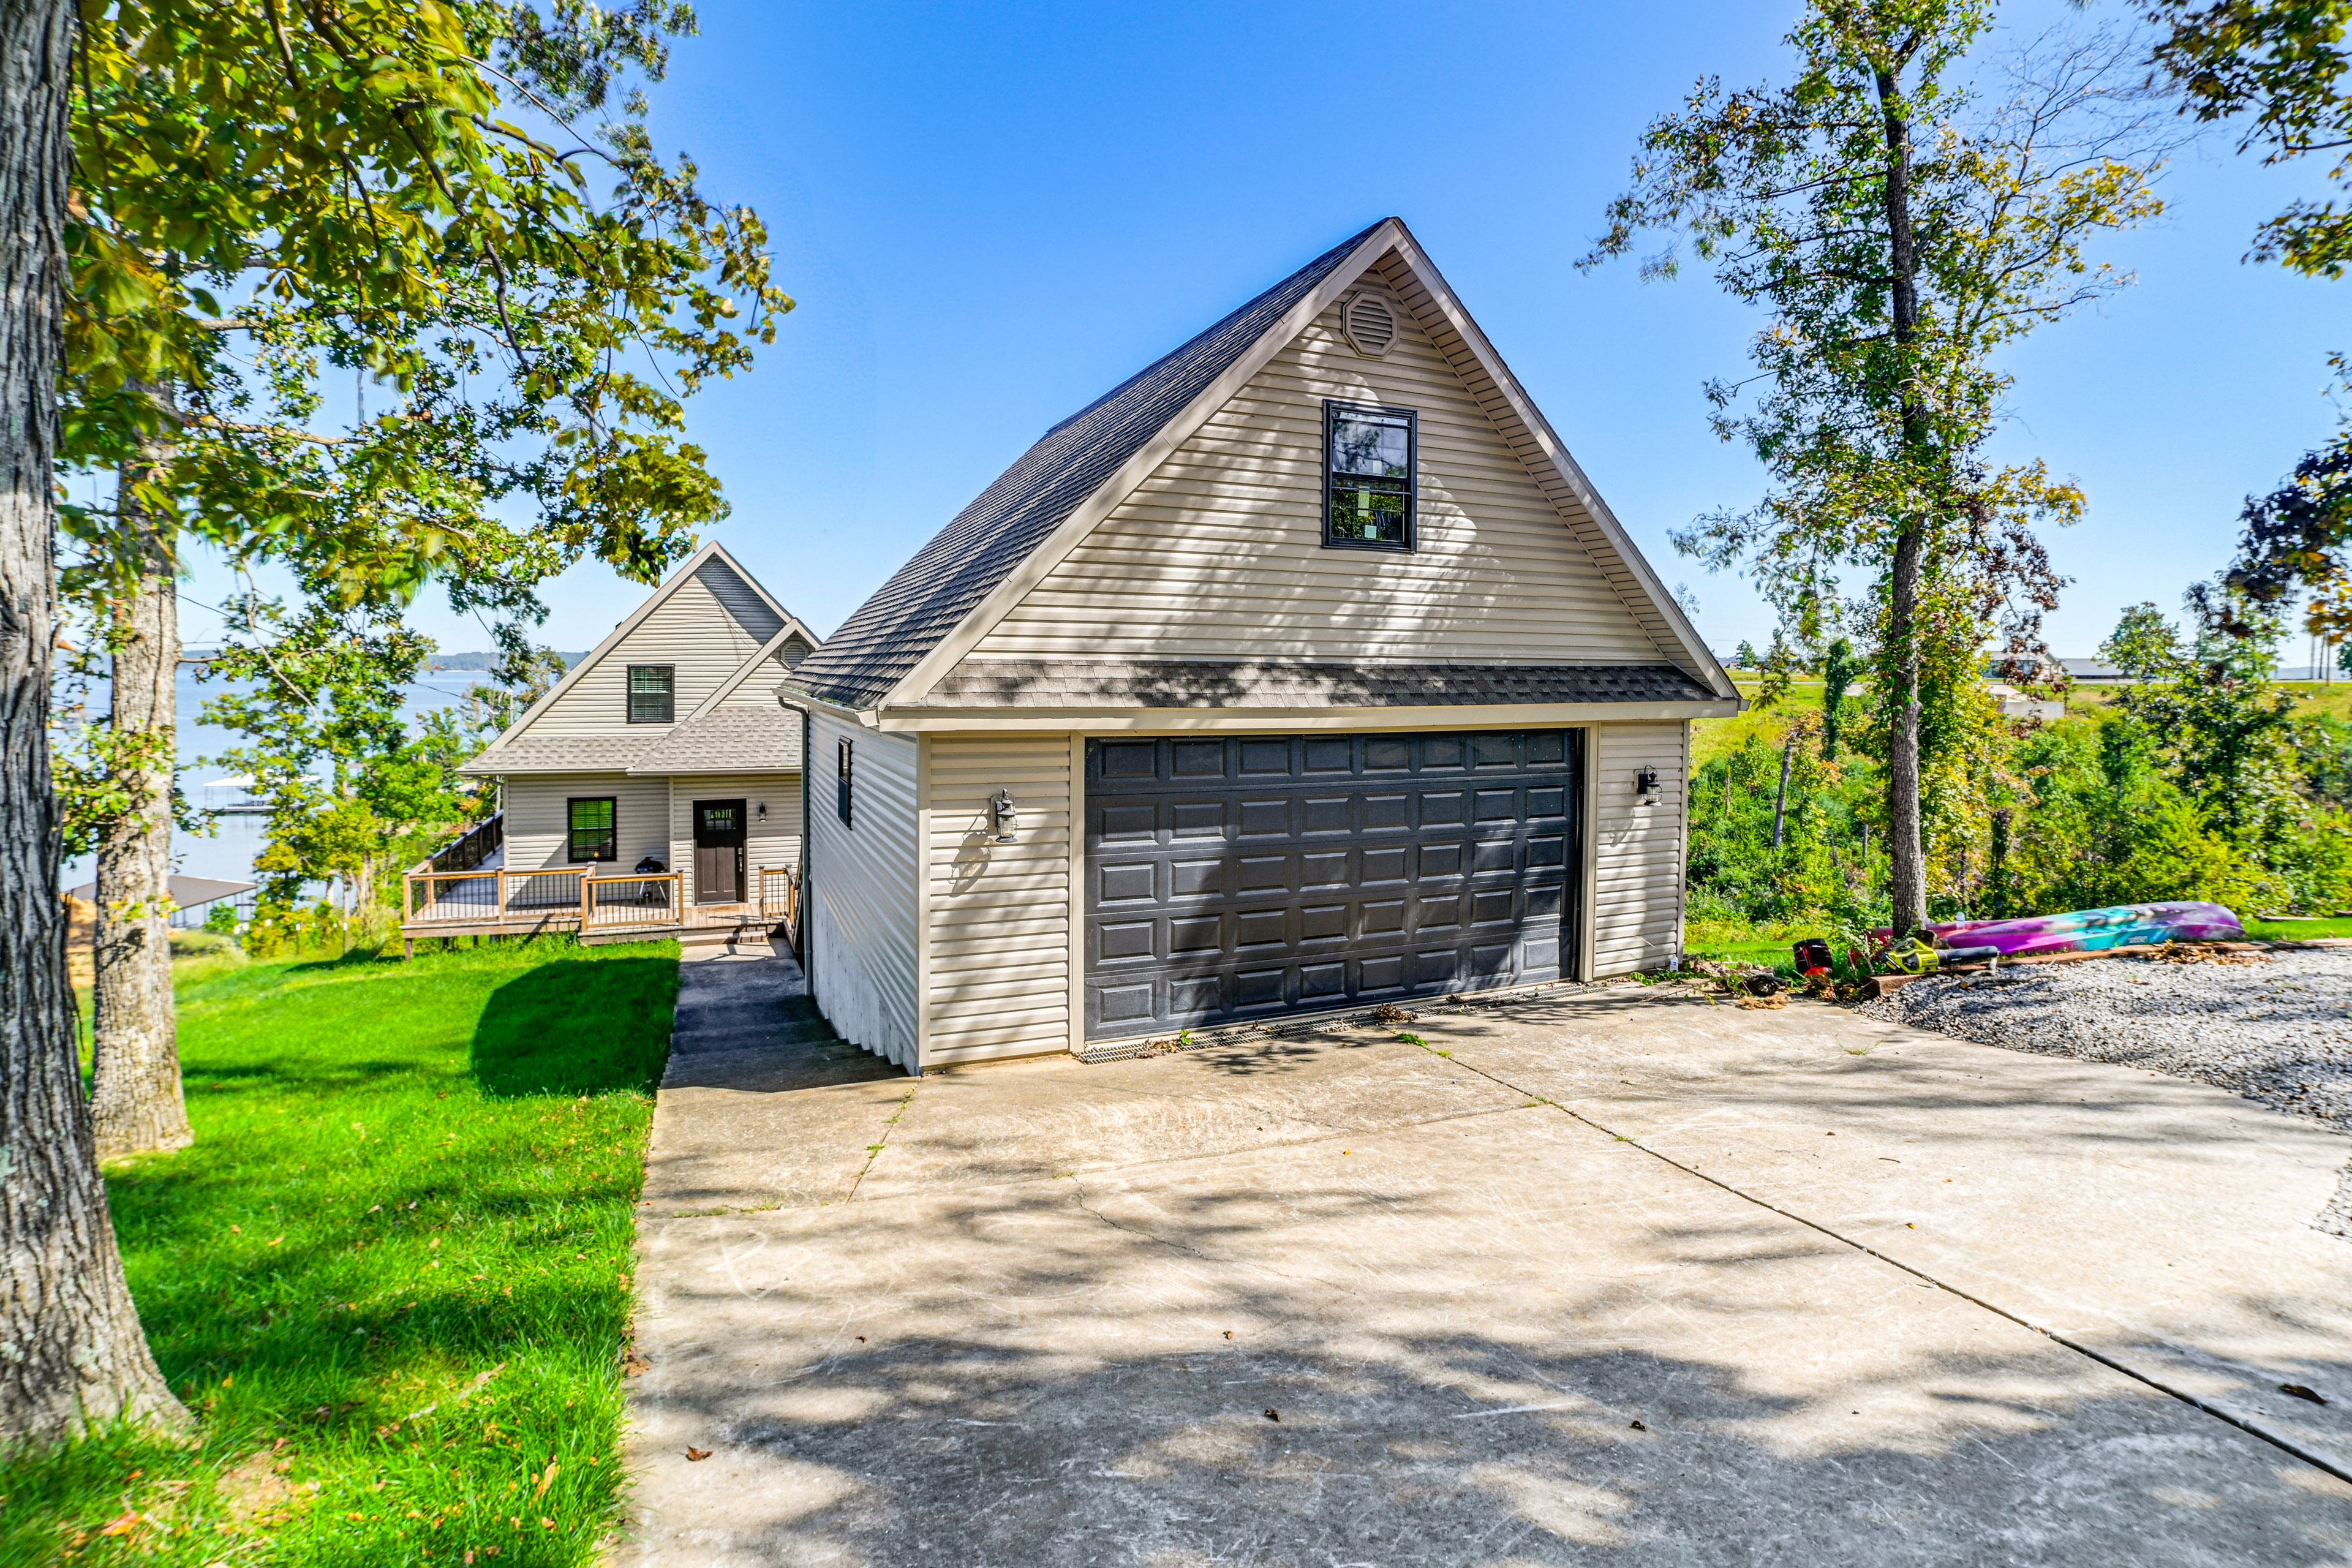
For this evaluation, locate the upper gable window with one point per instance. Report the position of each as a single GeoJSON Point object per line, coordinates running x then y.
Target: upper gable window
{"type": "Point", "coordinates": [653, 689]}
{"type": "Point", "coordinates": [1368, 476]}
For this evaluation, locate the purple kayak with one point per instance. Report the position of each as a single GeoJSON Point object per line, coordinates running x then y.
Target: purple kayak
{"type": "Point", "coordinates": [2088, 930]}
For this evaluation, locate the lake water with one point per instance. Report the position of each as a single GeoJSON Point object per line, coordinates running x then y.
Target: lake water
{"type": "Point", "coordinates": [228, 853]}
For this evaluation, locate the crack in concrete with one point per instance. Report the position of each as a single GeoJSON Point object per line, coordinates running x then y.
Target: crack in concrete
{"type": "Point", "coordinates": [2253, 1425]}
{"type": "Point", "coordinates": [1079, 1197]}
{"type": "Point", "coordinates": [874, 1150]}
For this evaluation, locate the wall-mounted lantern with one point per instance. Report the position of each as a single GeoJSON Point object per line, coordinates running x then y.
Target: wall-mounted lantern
{"type": "Point", "coordinates": [1003, 817]}
{"type": "Point", "coordinates": [1645, 787]}
{"type": "Point", "coordinates": [764, 810]}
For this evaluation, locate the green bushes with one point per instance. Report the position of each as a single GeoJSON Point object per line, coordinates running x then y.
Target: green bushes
{"type": "Point", "coordinates": [2092, 810]}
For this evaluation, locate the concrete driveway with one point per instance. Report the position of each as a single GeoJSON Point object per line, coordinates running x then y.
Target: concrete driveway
{"type": "Point", "coordinates": [1614, 1277]}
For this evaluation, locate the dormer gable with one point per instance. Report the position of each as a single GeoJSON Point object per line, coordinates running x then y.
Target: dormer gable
{"type": "Point", "coordinates": [699, 636]}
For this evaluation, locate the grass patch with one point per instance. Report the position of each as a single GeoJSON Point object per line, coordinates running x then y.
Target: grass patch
{"type": "Point", "coordinates": [2295, 930]}
{"type": "Point", "coordinates": [391, 1276]}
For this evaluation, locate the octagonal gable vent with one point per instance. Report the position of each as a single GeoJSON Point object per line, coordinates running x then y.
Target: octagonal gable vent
{"type": "Point", "coordinates": [1371, 323]}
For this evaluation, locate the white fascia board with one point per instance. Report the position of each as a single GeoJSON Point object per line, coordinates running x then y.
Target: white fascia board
{"type": "Point", "coordinates": [802, 702]}
{"type": "Point", "coordinates": [595, 656]}
{"type": "Point", "coordinates": [1292, 720]}
{"type": "Point", "coordinates": [1555, 452]}
{"type": "Point", "coordinates": [982, 617]}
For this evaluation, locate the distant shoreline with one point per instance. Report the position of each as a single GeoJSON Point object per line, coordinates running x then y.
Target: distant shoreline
{"type": "Point", "coordinates": [483, 661]}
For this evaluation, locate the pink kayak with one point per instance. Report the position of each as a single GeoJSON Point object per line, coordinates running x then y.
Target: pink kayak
{"type": "Point", "coordinates": [2088, 930]}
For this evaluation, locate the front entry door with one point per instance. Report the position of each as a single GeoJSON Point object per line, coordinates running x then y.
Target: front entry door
{"type": "Point", "coordinates": [718, 851]}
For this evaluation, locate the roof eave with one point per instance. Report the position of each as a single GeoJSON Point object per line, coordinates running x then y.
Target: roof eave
{"type": "Point", "coordinates": [912, 719]}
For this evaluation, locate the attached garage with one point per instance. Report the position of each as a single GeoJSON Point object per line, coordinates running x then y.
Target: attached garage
{"type": "Point", "coordinates": [1238, 877]}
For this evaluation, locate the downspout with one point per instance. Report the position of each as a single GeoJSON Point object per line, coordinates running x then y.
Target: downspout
{"type": "Point", "coordinates": [803, 947]}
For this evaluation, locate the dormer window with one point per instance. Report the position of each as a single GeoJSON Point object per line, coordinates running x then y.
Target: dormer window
{"type": "Point", "coordinates": [652, 693]}
{"type": "Point", "coordinates": [1368, 477]}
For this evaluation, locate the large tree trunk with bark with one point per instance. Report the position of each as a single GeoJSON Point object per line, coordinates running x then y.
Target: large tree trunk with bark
{"type": "Point", "coordinates": [135, 1101]}
{"type": "Point", "coordinates": [1906, 878]}
{"type": "Point", "coordinates": [73, 1348]}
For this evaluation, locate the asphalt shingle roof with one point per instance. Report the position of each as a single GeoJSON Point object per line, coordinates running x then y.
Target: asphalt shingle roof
{"type": "Point", "coordinates": [529, 753]}
{"type": "Point", "coordinates": [1265, 683]}
{"type": "Point", "coordinates": [925, 600]}
{"type": "Point", "coordinates": [747, 740]}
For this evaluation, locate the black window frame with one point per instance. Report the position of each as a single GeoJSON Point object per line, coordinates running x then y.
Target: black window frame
{"type": "Point", "coordinates": [1332, 408]}
{"type": "Point", "coordinates": [668, 695]}
{"type": "Point", "coordinates": [572, 830]}
{"type": "Point", "coordinates": [841, 800]}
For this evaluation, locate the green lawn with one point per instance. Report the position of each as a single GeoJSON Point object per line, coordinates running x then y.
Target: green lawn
{"type": "Point", "coordinates": [390, 1278]}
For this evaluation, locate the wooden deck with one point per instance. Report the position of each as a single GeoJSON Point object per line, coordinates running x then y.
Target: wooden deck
{"type": "Point", "coordinates": [598, 905]}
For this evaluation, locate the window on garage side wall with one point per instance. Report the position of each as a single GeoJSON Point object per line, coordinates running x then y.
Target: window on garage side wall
{"type": "Point", "coordinates": [841, 787]}
{"type": "Point", "coordinates": [593, 827]}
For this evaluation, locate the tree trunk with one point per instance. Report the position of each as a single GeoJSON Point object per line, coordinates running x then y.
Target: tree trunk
{"type": "Point", "coordinates": [1781, 801]}
{"type": "Point", "coordinates": [1907, 855]}
{"type": "Point", "coordinates": [136, 1105]}
{"type": "Point", "coordinates": [74, 1349]}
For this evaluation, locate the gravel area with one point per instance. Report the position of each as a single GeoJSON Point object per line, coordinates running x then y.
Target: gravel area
{"type": "Point", "coordinates": [2280, 1032]}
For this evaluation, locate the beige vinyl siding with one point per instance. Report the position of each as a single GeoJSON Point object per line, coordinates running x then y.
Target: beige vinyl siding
{"type": "Point", "coordinates": [693, 631]}
{"type": "Point", "coordinates": [759, 688]}
{"type": "Point", "coordinates": [863, 915]}
{"type": "Point", "coordinates": [999, 927]}
{"type": "Point", "coordinates": [536, 834]}
{"type": "Point", "coordinates": [1219, 553]}
{"type": "Point", "coordinates": [774, 844]}
{"type": "Point", "coordinates": [1637, 884]}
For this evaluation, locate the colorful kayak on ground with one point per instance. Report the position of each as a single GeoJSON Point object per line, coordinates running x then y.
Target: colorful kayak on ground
{"type": "Point", "coordinates": [2088, 930]}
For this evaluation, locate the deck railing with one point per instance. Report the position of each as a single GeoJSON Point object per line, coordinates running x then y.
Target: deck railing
{"type": "Point", "coordinates": [780, 899]}
{"type": "Point", "coordinates": [635, 899]}
{"type": "Point", "coordinates": [478, 844]}
{"type": "Point", "coordinates": [569, 896]}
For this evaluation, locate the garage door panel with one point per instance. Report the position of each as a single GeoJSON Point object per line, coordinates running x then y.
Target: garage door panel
{"type": "Point", "coordinates": [1194, 758]}
{"type": "Point", "coordinates": [1123, 824]}
{"type": "Point", "coordinates": [1128, 758]}
{"type": "Point", "coordinates": [1309, 871]}
{"type": "Point", "coordinates": [1196, 819]}
{"type": "Point", "coordinates": [1327, 868]}
{"type": "Point", "coordinates": [1126, 882]}
{"type": "Point", "coordinates": [1255, 930]}
{"type": "Point", "coordinates": [1444, 808]}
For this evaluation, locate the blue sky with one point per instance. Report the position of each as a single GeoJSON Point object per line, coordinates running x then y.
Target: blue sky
{"type": "Point", "coordinates": [991, 214]}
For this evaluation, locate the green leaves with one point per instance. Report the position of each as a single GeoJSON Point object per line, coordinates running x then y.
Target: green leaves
{"type": "Point", "coordinates": [283, 212]}
{"type": "Point", "coordinates": [2276, 71]}
{"type": "Point", "coordinates": [1900, 226]}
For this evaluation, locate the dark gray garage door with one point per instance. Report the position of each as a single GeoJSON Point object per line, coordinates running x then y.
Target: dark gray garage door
{"type": "Point", "coordinates": [1234, 878]}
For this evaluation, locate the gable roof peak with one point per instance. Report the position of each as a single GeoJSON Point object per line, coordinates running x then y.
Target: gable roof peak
{"type": "Point", "coordinates": [913, 628]}
{"type": "Point", "coordinates": [710, 551]}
